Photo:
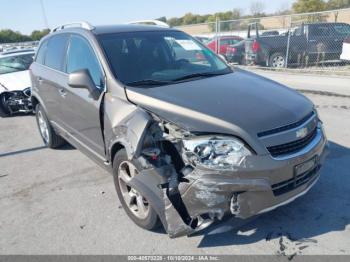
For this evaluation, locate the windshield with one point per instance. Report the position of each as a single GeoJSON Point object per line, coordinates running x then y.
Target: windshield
{"type": "Point", "coordinates": [16, 63]}
{"type": "Point", "coordinates": [151, 58]}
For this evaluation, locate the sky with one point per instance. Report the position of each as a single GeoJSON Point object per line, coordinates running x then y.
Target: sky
{"type": "Point", "coordinates": [26, 15]}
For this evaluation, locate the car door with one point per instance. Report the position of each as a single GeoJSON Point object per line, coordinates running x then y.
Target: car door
{"type": "Point", "coordinates": [340, 33]}
{"type": "Point", "coordinates": [320, 41]}
{"type": "Point", "coordinates": [297, 45]}
{"type": "Point", "coordinates": [81, 113]}
{"type": "Point", "coordinates": [48, 74]}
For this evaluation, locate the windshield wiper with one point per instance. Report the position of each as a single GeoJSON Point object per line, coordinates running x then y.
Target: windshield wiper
{"type": "Point", "coordinates": [148, 82]}
{"type": "Point", "coordinates": [196, 75]}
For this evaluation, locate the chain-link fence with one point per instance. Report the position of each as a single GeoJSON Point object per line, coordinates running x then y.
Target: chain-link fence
{"type": "Point", "coordinates": [319, 40]}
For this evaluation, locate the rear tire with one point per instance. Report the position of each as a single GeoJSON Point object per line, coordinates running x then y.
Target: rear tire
{"type": "Point", "coordinates": [148, 218]}
{"type": "Point", "coordinates": [277, 60]}
{"type": "Point", "coordinates": [50, 138]}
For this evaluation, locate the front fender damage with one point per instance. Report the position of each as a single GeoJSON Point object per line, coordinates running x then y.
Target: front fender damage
{"type": "Point", "coordinates": [185, 197]}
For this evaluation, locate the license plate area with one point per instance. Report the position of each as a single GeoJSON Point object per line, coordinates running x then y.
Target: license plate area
{"type": "Point", "coordinates": [304, 171]}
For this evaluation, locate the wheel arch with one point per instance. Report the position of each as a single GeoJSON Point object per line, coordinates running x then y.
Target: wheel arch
{"type": "Point", "coordinates": [35, 99]}
{"type": "Point", "coordinates": [115, 148]}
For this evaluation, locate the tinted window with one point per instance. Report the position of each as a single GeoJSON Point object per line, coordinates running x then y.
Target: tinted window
{"type": "Point", "coordinates": [342, 29]}
{"type": "Point", "coordinates": [229, 41]}
{"type": "Point", "coordinates": [40, 57]}
{"type": "Point", "coordinates": [320, 30]}
{"type": "Point", "coordinates": [56, 50]}
{"type": "Point", "coordinates": [81, 56]}
{"type": "Point", "coordinates": [298, 31]}
{"type": "Point", "coordinates": [224, 41]}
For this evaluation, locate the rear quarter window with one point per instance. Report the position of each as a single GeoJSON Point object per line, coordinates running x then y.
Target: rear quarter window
{"type": "Point", "coordinates": [56, 51]}
{"type": "Point", "coordinates": [40, 57]}
{"type": "Point", "coordinates": [342, 29]}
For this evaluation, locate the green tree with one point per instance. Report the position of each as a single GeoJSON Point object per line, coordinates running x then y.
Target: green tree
{"type": "Point", "coordinates": [37, 35]}
{"type": "Point", "coordinates": [10, 36]}
{"type": "Point", "coordinates": [257, 8]}
{"type": "Point", "coordinates": [175, 21]}
{"type": "Point", "coordinates": [189, 19]}
{"type": "Point", "coordinates": [304, 6]}
{"type": "Point", "coordinates": [337, 4]}
{"type": "Point", "coordinates": [224, 16]}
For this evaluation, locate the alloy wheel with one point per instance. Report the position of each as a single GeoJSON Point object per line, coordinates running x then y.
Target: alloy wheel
{"type": "Point", "coordinates": [135, 202]}
{"type": "Point", "coordinates": [44, 130]}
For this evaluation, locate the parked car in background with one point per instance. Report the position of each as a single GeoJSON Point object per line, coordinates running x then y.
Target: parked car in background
{"type": "Point", "coordinates": [308, 43]}
{"type": "Point", "coordinates": [203, 39]}
{"type": "Point", "coordinates": [270, 33]}
{"type": "Point", "coordinates": [345, 55]}
{"type": "Point", "coordinates": [188, 142]}
{"type": "Point", "coordinates": [15, 81]}
{"type": "Point", "coordinates": [224, 41]}
{"type": "Point", "coordinates": [236, 53]}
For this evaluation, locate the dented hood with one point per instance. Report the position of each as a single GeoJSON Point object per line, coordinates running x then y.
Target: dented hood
{"type": "Point", "coordinates": [233, 103]}
{"type": "Point", "coordinates": [15, 81]}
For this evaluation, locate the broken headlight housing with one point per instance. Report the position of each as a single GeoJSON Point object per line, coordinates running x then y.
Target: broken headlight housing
{"type": "Point", "coordinates": [215, 152]}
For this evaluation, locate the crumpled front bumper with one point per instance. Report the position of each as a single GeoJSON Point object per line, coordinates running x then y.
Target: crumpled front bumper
{"type": "Point", "coordinates": [253, 188]}
{"type": "Point", "coordinates": [206, 195]}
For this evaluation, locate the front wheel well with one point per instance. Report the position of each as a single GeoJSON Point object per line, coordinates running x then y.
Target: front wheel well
{"type": "Point", "coordinates": [35, 102]}
{"type": "Point", "coordinates": [114, 150]}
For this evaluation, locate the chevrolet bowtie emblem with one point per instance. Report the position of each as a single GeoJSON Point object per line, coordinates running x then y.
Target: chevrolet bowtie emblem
{"type": "Point", "coordinates": [301, 133]}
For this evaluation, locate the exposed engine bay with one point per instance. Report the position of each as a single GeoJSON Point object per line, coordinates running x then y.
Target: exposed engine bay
{"type": "Point", "coordinates": [170, 172]}
{"type": "Point", "coordinates": [13, 102]}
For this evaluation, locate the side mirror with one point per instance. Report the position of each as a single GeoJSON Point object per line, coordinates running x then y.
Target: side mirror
{"type": "Point", "coordinates": [83, 79]}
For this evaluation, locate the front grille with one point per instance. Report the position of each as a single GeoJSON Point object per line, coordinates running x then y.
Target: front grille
{"type": "Point", "coordinates": [287, 127]}
{"type": "Point", "coordinates": [292, 147]}
{"type": "Point", "coordinates": [295, 182]}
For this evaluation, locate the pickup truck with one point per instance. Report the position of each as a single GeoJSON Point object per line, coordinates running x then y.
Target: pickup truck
{"type": "Point", "coordinates": [308, 44]}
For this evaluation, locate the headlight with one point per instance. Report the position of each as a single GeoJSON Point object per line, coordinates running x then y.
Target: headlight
{"type": "Point", "coordinates": [216, 152]}
{"type": "Point", "coordinates": [27, 92]}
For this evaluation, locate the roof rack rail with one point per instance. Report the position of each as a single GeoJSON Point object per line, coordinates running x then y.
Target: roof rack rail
{"type": "Point", "coordinates": [84, 25]}
{"type": "Point", "coordinates": [151, 22]}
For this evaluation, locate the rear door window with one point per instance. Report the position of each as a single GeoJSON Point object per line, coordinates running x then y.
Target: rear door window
{"type": "Point", "coordinates": [56, 51]}
{"type": "Point", "coordinates": [40, 57]}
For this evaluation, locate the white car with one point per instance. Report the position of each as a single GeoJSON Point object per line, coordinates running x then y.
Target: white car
{"type": "Point", "coordinates": [345, 55]}
{"type": "Point", "coordinates": [15, 81]}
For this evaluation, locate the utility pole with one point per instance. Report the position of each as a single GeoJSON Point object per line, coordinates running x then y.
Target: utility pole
{"type": "Point", "coordinates": [44, 14]}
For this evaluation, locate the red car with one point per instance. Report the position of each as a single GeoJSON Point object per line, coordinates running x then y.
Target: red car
{"type": "Point", "coordinates": [225, 42]}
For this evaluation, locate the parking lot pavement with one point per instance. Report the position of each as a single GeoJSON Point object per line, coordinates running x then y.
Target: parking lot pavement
{"type": "Point", "coordinates": [312, 82]}
{"type": "Point", "coordinates": [60, 202]}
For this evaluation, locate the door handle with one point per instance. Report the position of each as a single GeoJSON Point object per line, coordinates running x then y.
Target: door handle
{"type": "Point", "coordinates": [40, 80]}
{"type": "Point", "coordinates": [312, 41]}
{"type": "Point", "coordinates": [62, 92]}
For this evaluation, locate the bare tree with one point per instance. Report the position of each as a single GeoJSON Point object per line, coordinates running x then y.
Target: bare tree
{"type": "Point", "coordinates": [257, 8]}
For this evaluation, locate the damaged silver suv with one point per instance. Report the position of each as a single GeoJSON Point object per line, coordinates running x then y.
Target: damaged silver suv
{"type": "Point", "coordinates": [188, 140]}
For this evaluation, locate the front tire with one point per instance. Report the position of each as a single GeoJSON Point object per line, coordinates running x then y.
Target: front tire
{"type": "Point", "coordinates": [50, 138]}
{"type": "Point", "coordinates": [3, 105]}
{"type": "Point", "coordinates": [135, 205]}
